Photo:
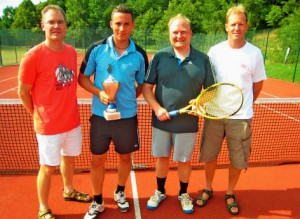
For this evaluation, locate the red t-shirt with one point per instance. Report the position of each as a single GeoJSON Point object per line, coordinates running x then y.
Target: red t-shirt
{"type": "Point", "coordinates": [54, 78]}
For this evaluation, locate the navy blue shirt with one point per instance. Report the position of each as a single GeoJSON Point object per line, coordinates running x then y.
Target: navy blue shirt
{"type": "Point", "coordinates": [176, 84]}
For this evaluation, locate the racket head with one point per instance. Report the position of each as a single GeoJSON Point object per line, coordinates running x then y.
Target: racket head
{"type": "Point", "coordinates": [219, 101]}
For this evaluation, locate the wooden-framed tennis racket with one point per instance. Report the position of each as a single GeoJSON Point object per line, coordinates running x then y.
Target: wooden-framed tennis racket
{"type": "Point", "coordinates": [219, 101]}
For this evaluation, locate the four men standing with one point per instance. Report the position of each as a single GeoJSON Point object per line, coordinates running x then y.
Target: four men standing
{"type": "Point", "coordinates": [178, 73]}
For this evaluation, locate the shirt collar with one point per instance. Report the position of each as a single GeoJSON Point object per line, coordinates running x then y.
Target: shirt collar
{"type": "Point", "coordinates": [131, 47]}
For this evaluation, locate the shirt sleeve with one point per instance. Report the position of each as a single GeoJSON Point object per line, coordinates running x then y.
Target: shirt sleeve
{"type": "Point", "coordinates": [259, 71]}
{"type": "Point", "coordinates": [27, 69]}
{"type": "Point", "coordinates": [151, 75]}
{"type": "Point", "coordinates": [91, 64]}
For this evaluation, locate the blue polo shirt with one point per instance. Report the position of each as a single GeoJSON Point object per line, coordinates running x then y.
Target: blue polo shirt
{"type": "Point", "coordinates": [176, 84]}
{"type": "Point", "coordinates": [128, 69]}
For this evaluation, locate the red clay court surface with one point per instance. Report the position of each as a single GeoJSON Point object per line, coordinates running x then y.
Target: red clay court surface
{"type": "Point", "coordinates": [262, 192]}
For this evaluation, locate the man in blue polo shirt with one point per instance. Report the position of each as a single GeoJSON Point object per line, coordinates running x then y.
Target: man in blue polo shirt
{"type": "Point", "coordinates": [179, 72]}
{"type": "Point", "coordinates": [120, 57]}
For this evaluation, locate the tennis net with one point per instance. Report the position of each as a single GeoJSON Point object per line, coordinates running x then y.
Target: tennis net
{"type": "Point", "coordinates": [276, 138]}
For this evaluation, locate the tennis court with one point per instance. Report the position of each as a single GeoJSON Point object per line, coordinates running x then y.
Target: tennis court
{"type": "Point", "coordinates": [269, 189]}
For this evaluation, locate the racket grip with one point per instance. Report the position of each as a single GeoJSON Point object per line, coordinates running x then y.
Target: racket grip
{"type": "Point", "coordinates": [174, 113]}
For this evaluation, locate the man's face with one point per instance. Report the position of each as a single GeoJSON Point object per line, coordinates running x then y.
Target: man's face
{"type": "Point", "coordinates": [54, 25]}
{"type": "Point", "coordinates": [122, 26]}
{"type": "Point", "coordinates": [180, 34]}
{"type": "Point", "coordinates": [236, 27]}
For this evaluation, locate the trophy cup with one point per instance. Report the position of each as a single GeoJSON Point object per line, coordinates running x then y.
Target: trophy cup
{"type": "Point", "coordinates": [111, 86]}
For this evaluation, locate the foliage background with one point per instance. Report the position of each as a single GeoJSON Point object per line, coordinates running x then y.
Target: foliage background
{"type": "Point", "coordinates": [274, 24]}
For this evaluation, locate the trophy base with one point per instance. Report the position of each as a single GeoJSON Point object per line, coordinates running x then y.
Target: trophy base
{"type": "Point", "coordinates": [112, 115]}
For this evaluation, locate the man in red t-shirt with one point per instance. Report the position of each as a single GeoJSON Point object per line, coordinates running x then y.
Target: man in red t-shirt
{"type": "Point", "coordinates": [47, 88]}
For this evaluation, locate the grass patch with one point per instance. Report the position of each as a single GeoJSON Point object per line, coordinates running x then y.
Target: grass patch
{"type": "Point", "coordinates": [283, 72]}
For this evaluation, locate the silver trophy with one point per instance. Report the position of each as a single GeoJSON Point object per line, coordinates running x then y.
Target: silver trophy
{"type": "Point", "coordinates": [111, 86]}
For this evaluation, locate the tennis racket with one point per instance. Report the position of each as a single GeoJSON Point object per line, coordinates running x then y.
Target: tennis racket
{"type": "Point", "coordinates": [219, 101]}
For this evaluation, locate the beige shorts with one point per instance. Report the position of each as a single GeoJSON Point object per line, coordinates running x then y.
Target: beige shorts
{"type": "Point", "coordinates": [52, 147]}
{"type": "Point", "coordinates": [238, 133]}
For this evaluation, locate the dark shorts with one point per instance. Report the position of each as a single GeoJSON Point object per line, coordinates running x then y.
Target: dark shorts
{"type": "Point", "coordinates": [123, 133]}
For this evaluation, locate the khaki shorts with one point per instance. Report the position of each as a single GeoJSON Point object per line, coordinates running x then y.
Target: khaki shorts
{"type": "Point", "coordinates": [238, 133]}
{"type": "Point", "coordinates": [184, 144]}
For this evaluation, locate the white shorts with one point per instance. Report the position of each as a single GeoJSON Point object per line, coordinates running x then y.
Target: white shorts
{"type": "Point", "coordinates": [184, 144]}
{"type": "Point", "coordinates": [52, 147]}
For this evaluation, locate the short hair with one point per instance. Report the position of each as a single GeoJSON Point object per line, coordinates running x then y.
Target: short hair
{"type": "Point", "coordinates": [235, 10]}
{"type": "Point", "coordinates": [53, 7]}
{"type": "Point", "coordinates": [122, 8]}
{"type": "Point", "coordinates": [179, 16]}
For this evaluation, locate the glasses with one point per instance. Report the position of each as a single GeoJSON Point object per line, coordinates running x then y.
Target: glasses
{"type": "Point", "coordinates": [53, 23]}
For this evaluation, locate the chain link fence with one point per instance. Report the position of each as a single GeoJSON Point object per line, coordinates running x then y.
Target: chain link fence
{"type": "Point", "coordinates": [14, 43]}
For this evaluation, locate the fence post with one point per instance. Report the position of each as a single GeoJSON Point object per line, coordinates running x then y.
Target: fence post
{"type": "Point", "coordinates": [267, 45]}
{"type": "Point", "coordinates": [1, 63]}
{"type": "Point", "coordinates": [296, 63]}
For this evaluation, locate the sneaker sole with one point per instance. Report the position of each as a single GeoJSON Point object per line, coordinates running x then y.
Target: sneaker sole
{"type": "Point", "coordinates": [151, 208]}
{"type": "Point", "coordinates": [123, 210]}
{"type": "Point", "coordinates": [188, 212]}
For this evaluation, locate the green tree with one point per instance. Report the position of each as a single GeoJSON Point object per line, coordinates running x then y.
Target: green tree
{"type": "Point", "coordinates": [41, 5]}
{"type": "Point", "coordinates": [26, 16]}
{"type": "Point", "coordinates": [290, 32]}
{"type": "Point", "coordinates": [8, 17]}
{"type": "Point", "coordinates": [188, 8]}
{"type": "Point", "coordinates": [274, 16]}
{"type": "Point", "coordinates": [213, 14]}
{"type": "Point", "coordinates": [100, 13]}
{"type": "Point", "coordinates": [77, 13]}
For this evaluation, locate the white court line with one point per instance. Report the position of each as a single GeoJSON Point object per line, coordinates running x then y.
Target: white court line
{"type": "Point", "coordinates": [8, 79]}
{"type": "Point", "coordinates": [8, 90]}
{"type": "Point", "coordinates": [269, 94]}
{"type": "Point", "coordinates": [135, 195]}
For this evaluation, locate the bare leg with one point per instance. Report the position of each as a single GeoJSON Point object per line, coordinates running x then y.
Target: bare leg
{"type": "Point", "coordinates": [124, 168]}
{"type": "Point", "coordinates": [98, 173]}
{"type": "Point", "coordinates": [210, 169]}
{"type": "Point", "coordinates": [234, 175]}
{"type": "Point", "coordinates": [43, 185]}
{"type": "Point", "coordinates": [184, 171]}
{"type": "Point", "coordinates": [162, 167]}
{"type": "Point", "coordinates": [67, 172]}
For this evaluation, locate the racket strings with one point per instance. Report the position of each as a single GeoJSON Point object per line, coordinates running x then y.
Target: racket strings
{"type": "Point", "coordinates": [220, 101]}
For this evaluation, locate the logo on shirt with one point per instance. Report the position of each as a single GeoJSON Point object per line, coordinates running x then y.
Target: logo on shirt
{"type": "Point", "coordinates": [64, 77]}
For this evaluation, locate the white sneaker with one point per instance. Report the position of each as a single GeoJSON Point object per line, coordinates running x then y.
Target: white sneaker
{"type": "Point", "coordinates": [94, 210]}
{"type": "Point", "coordinates": [186, 203]}
{"type": "Point", "coordinates": [154, 200]}
{"type": "Point", "coordinates": [122, 203]}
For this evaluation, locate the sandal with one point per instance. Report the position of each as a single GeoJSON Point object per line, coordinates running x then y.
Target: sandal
{"type": "Point", "coordinates": [204, 201]}
{"type": "Point", "coordinates": [77, 196]}
{"type": "Point", "coordinates": [234, 204]}
{"type": "Point", "coordinates": [45, 214]}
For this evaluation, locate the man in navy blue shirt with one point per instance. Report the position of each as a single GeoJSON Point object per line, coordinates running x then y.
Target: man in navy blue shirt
{"type": "Point", "coordinates": [178, 72]}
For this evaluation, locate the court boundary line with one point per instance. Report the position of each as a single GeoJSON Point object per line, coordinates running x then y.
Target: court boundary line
{"type": "Point", "coordinates": [135, 196]}
{"type": "Point", "coordinates": [7, 79]}
{"type": "Point", "coordinates": [14, 88]}
{"type": "Point", "coordinates": [273, 96]}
